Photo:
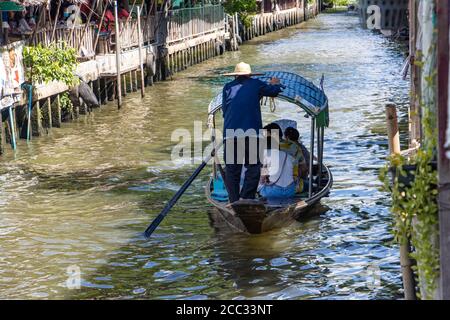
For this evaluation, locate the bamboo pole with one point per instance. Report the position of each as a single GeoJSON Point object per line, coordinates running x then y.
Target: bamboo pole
{"type": "Point", "coordinates": [37, 24]}
{"type": "Point", "coordinates": [99, 27]}
{"type": "Point", "coordinates": [119, 89]}
{"type": "Point", "coordinates": [73, 28]}
{"type": "Point", "coordinates": [405, 260]}
{"type": "Point", "coordinates": [392, 129]}
{"type": "Point", "coordinates": [56, 21]}
{"type": "Point", "coordinates": [141, 64]}
{"type": "Point", "coordinates": [129, 16]}
{"type": "Point", "coordinates": [88, 21]}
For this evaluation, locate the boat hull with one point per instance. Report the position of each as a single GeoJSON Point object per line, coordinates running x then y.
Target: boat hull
{"type": "Point", "coordinates": [254, 217]}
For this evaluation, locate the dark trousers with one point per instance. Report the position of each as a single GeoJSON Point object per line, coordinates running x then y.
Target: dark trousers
{"type": "Point", "coordinates": [233, 169]}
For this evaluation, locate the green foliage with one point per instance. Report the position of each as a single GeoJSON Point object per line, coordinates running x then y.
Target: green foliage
{"type": "Point", "coordinates": [244, 8]}
{"type": "Point", "coordinates": [337, 3]}
{"type": "Point", "coordinates": [66, 104]}
{"type": "Point", "coordinates": [415, 207]}
{"type": "Point", "coordinates": [54, 62]}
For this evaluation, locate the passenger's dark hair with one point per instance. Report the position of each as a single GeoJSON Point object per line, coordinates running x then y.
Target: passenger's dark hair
{"type": "Point", "coordinates": [292, 134]}
{"type": "Point", "coordinates": [274, 126]}
{"type": "Point", "coordinates": [269, 128]}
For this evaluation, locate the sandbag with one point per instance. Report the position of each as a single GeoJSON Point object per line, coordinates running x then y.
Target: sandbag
{"type": "Point", "coordinates": [88, 96]}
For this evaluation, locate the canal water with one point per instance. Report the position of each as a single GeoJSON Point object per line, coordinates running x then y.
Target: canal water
{"type": "Point", "coordinates": [79, 199]}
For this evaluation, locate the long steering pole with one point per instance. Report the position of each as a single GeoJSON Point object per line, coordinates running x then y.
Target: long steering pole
{"type": "Point", "coordinates": [155, 223]}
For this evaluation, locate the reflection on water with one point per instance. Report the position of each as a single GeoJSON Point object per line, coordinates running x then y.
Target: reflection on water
{"type": "Point", "coordinates": [83, 195]}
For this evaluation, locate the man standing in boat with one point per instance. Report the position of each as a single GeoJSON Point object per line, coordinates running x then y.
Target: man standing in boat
{"type": "Point", "coordinates": [242, 123]}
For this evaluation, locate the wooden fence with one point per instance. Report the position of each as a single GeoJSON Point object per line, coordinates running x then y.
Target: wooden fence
{"type": "Point", "coordinates": [191, 22]}
{"type": "Point", "coordinates": [182, 24]}
{"type": "Point", "coordinates": [81, 38]}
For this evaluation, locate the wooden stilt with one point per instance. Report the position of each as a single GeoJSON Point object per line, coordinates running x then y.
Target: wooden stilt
{"type": "Point", "coordinates": [36, 122]}
{"type": "Point", "coordinates": [205, 51]}
{"type": "Point", "coordinates": [56, 112]}
{"type": "Point", "coordinates": [175, 62]}
{"type": "Point", "coordinates": [141, 62]}
{"type": "Point", "coordinates": [124, 84]}
{"type": "Point", "coordinates": [205, 57]}
{"type": "Point", "coordinates": [2, 135]}
{"type": "Point", "coordinates": [47, 114]}
{"type": "Point", "coordinates": [12, 127]}
{"type": "Point", "coordinates": [99, 90]}
{"type": "Point", "coordinates": [196, 54]}
{"type": "Point", "coordinates": [134, 80]}
{"type": "Point", "coordinates": [180, 60]}
{"type": "Point", "coordinates": [183, 60]}
{"type": "Point", "coordinates": [116, 24]}
{"type": "Point", "coordinates": [169, 63]}
{"type": "Point", "coordinates": [104, 94]}
{"type": "Point", "coordinates": [130, 79]}
{"type": "Point", "coordinates": [394, 149]}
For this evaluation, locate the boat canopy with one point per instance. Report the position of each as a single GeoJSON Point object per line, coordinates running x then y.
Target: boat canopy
{"type": "Point", "coordinates": [297, 90]}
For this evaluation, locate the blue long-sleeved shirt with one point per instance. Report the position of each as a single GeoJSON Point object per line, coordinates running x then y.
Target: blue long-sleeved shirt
{"type": "Point", "coordinates": [240, 103]}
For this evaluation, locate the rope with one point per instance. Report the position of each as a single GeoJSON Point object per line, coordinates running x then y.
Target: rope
{"type": "Point", "coordinates": [272, 105]}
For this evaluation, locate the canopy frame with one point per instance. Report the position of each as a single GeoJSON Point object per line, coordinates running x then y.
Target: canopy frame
{"type": "Point", "coordinates": [310, 99]}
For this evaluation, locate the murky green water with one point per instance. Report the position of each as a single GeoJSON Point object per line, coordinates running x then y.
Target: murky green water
{"type": "Point", "coordinates": [82, 196]}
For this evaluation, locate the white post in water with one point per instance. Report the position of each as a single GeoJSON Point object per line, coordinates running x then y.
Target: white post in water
{"type": "Point", "coordinates": [141, 65]}
{"type": "Point", "coordinates": [119, 88]}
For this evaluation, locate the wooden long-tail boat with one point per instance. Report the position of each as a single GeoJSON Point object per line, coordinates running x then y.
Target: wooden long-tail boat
{"type": "Point", "coordinates": [261, 215]}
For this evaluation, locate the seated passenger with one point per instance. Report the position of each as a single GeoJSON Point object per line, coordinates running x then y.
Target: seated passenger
{"type": "Point", "coordinates": [277, 172]}
{"type": "Point", "coordinates": [276, 129]}
{"type": "Point", "coordinates": [301, 154]}
{"type": "Point", "coordinates": [278, 133]}
{"type": "Point", "coordinates": [292, 146]}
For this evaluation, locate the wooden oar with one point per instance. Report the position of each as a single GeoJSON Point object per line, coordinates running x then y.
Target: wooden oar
{"type": "Point", "coordinates": [155, 223]}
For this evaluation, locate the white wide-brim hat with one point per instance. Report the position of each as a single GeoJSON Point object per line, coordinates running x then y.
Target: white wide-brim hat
{"type": "Point", "coordinates": [242, 69]}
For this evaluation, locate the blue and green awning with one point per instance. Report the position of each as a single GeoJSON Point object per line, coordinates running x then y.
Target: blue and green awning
{"type": "Point", "coordinates": [297, 90]}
